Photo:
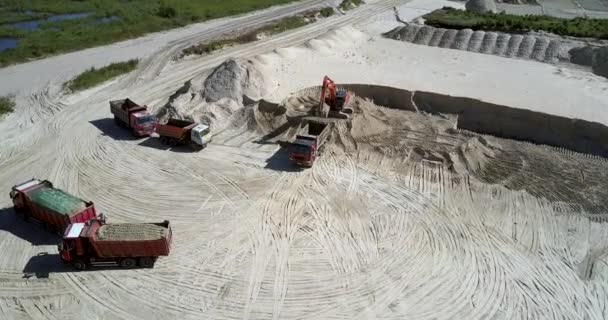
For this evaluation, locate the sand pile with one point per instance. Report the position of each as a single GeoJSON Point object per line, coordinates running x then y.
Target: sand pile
{"type": "Point", "coordinates": [476, 153]}
{"type": "Point", "coordinates": [591, 56]}
{"type": "Point", "coordinates": [215, 98]}
{"type": "Point", "coordinates": [536, 47]}
{"type": "Point", "coordinates": [131, 231]}
{"type": "Point", "coordinates": [481, 6]}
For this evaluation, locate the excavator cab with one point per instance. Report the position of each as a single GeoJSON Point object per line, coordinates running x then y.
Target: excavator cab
{"type": "Point", "coordinates": [340, 99]}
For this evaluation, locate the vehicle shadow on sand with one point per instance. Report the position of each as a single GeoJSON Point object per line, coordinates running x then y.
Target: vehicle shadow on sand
{"type": "Point", "coordinates": [155, 143]}
{"type": "Point", "coordinates": [31, 232]}
{"type": "Point", "coordinates": [44, 263]}
{"type": "Point", "coordinates": [279, 161]}
{"type": "Point", "coordinates": [110, 129]}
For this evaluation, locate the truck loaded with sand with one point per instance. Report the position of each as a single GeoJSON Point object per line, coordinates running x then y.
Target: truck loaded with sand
{"type": "Point", "coordinates": [442, 183]}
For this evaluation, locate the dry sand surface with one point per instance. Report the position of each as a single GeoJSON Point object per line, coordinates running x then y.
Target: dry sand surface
{"type": "Point", "coordinates": [404, 216]}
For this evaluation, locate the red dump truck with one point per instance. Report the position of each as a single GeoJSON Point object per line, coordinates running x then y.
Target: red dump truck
{"type": "Point", "coordinates": [55, 209]}
{"type": "Point", "coordinates": [305, 148]}
{"type": "Point", "coordinates": [125, 244]}
{"type": "Point", "coordinates": [130, 115]}
{"type": "Point", "coordinates": [180, 132]}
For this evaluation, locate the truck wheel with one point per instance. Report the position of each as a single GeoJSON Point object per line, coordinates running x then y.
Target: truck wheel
{"type": "Point", "coordinates": [79, 265]}
{"type": "Point", "coordinates": [163, 140]}
{"type": "Point", "coordinates": [146, 262]}
{"type": "Point", "coordinates": [127, 263]}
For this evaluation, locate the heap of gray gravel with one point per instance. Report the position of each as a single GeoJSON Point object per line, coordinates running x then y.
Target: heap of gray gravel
{"type": "Point", "coordinates": [481, 6]}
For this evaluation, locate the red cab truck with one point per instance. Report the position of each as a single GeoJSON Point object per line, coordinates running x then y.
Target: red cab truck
{"type": "Point", "coordinates": [55, 209]}
{"type": "Point", "coordinates": [180, 132]}
{"type": "Point", "coordinates": [126, 244]}
{"type": "Point", "coordinates": [305, 148]}
{"type": "Point", "coordinates": [130, 115]}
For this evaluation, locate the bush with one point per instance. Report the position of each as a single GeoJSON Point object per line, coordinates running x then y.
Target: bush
{"type": "Point", "coordinates": [93, 77]}
{"type": "Point", "coordinates": [327, 12]}
{"type": "Point", "coordinates": [166, 12]}
{"type": "Point", "coordinates": [7, 104]}
{"type": "Point", "coordinates": [460, 19]}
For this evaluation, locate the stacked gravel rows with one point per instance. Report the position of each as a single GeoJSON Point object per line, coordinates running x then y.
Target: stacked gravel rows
{"type": "Point", "coordinates": [497, 43]}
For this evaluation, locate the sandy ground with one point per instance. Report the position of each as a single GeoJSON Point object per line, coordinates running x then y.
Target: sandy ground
{"type": "Point", "coordinates": [380, 227]}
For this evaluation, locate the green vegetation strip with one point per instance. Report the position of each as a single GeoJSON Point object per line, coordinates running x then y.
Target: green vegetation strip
{"type": "Point", "coordinates": [93, 77]}
{"type": "Point", "coordinates": [124, 19]}
{"type": "Point", "coordinates": [460, 19]}
{"type": "Point", "coordinates": [350, 4]}
{"type": "Point", "coordinates": [7, 104]}
{"type": "Point", "coordinates": [273, 28]}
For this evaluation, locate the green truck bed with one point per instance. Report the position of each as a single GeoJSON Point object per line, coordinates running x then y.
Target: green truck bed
{"type": "Point", "coordinates": [57, 201]}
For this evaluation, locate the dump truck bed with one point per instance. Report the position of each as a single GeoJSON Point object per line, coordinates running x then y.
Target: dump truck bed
{"type": "Point", "coordinates": [175, 128]}
{"type": "Point", "coordinates": [131, 240]}
{"type": "Point", "coordinates": [57, 201]}
{"type": "Point", "coordinates": [52, 206]}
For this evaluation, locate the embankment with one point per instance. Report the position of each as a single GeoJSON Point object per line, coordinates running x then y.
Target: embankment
{"type": "Point", "coordinates": [493, 119]}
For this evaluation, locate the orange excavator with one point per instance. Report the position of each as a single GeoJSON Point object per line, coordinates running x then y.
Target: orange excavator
{"type": "Point", "coordinates": [336, 99]}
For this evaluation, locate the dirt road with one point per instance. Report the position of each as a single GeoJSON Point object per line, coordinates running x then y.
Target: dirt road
{"type": "Point", "coordinates": [360, 235]}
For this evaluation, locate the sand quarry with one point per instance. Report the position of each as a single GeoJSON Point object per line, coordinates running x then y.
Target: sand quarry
{"type": "Point", "coordinates": [423, 206]}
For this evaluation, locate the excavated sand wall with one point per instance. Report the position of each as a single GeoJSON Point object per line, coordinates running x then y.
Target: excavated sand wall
{"type": "Point", "coordinates": [488, 118]}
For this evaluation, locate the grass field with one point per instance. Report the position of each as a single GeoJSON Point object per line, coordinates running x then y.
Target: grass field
{"type": "Point", "coordinates": [272, 28]}
{"type": "Point", "coordinates": [7, 104]}
{"type": "Point", "coordinates": [108, 21]}
{"type": "Point", "coordinates": [460, 19]}
{"type": "Point", "coordinates": [93, 77]}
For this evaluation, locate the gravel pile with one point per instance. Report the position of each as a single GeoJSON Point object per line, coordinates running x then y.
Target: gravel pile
{"type": "Point", "coordinates": [536, 47]}
{"type": "Point", "coordinates": [533, 46]}
{"type": "Point", "coordinates": [481, 6]}
{"type": "Point", "coordinates": [131, 232]}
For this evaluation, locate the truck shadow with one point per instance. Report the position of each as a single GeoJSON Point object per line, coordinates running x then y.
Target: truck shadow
{"type": "Point", "coordinates": [44, 263]}
{"type": "Point", "coordinates": [156, 144]}
{"type": "Point", "coordinates": [110, 129]}
{"type": "Point", "coordinates": [28, 231]}
{"type": "Point", "coordinates": [280, 161]}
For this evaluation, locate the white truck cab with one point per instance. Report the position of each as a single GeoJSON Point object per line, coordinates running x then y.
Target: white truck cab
{"type": "Point", "coordinates": [201, 135]}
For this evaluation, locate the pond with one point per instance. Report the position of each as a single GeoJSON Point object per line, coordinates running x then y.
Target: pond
{"type": "Point", "coordinates": [32, 25]}
{"type": "Point", "coordinates": [7, 43]}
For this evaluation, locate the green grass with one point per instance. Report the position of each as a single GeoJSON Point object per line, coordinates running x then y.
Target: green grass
{"type": "Point", "coordinates": [7, 104]}
{"type": "Point", "coordinates": [93, 77]}
{"type": "Point", "coordinates": [460, 19]}
{"type": "Point", "coordinates": [136, 18]}
{"type": "Point", "coordinates": [273, 28]}
{"type": "Point", "coordinates": [350, 4]}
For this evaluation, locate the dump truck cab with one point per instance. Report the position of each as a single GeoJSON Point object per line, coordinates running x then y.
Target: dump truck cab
{"type": "Point", "coordinates": [129, 114]}
{"type": "Point", "coordinates": [201, 135]}
{"type": "Point", "coordinates": [143, 123]}
{"type": "Point", "coordinates": [304, 150]}
{"type": "Point", "coordinates": [17, 193]}
{"type": "Point", "coordinates": [71, 246]}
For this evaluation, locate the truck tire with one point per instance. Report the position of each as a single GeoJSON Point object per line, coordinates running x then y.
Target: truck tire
{"type": "Point", "coordinates": [163, 140]}
{"type": "Point", "coordinates": [127, 263]}
{"type": "Point", "coordinates": [79, 265]}
{"type": "Point", "coordinates": [146, 262]}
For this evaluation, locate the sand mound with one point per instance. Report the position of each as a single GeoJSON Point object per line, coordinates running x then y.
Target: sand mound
{"type": "Point", "coordinates": [233, 79]}
{"type": "Point", "coordinates": [476, 153]}
{"type": "Point", "coordinates": [481, 6]}
{"type": "Point", "coordinates": [213, 99]}
{"type": "Point", "coordinates": [533, 46]}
